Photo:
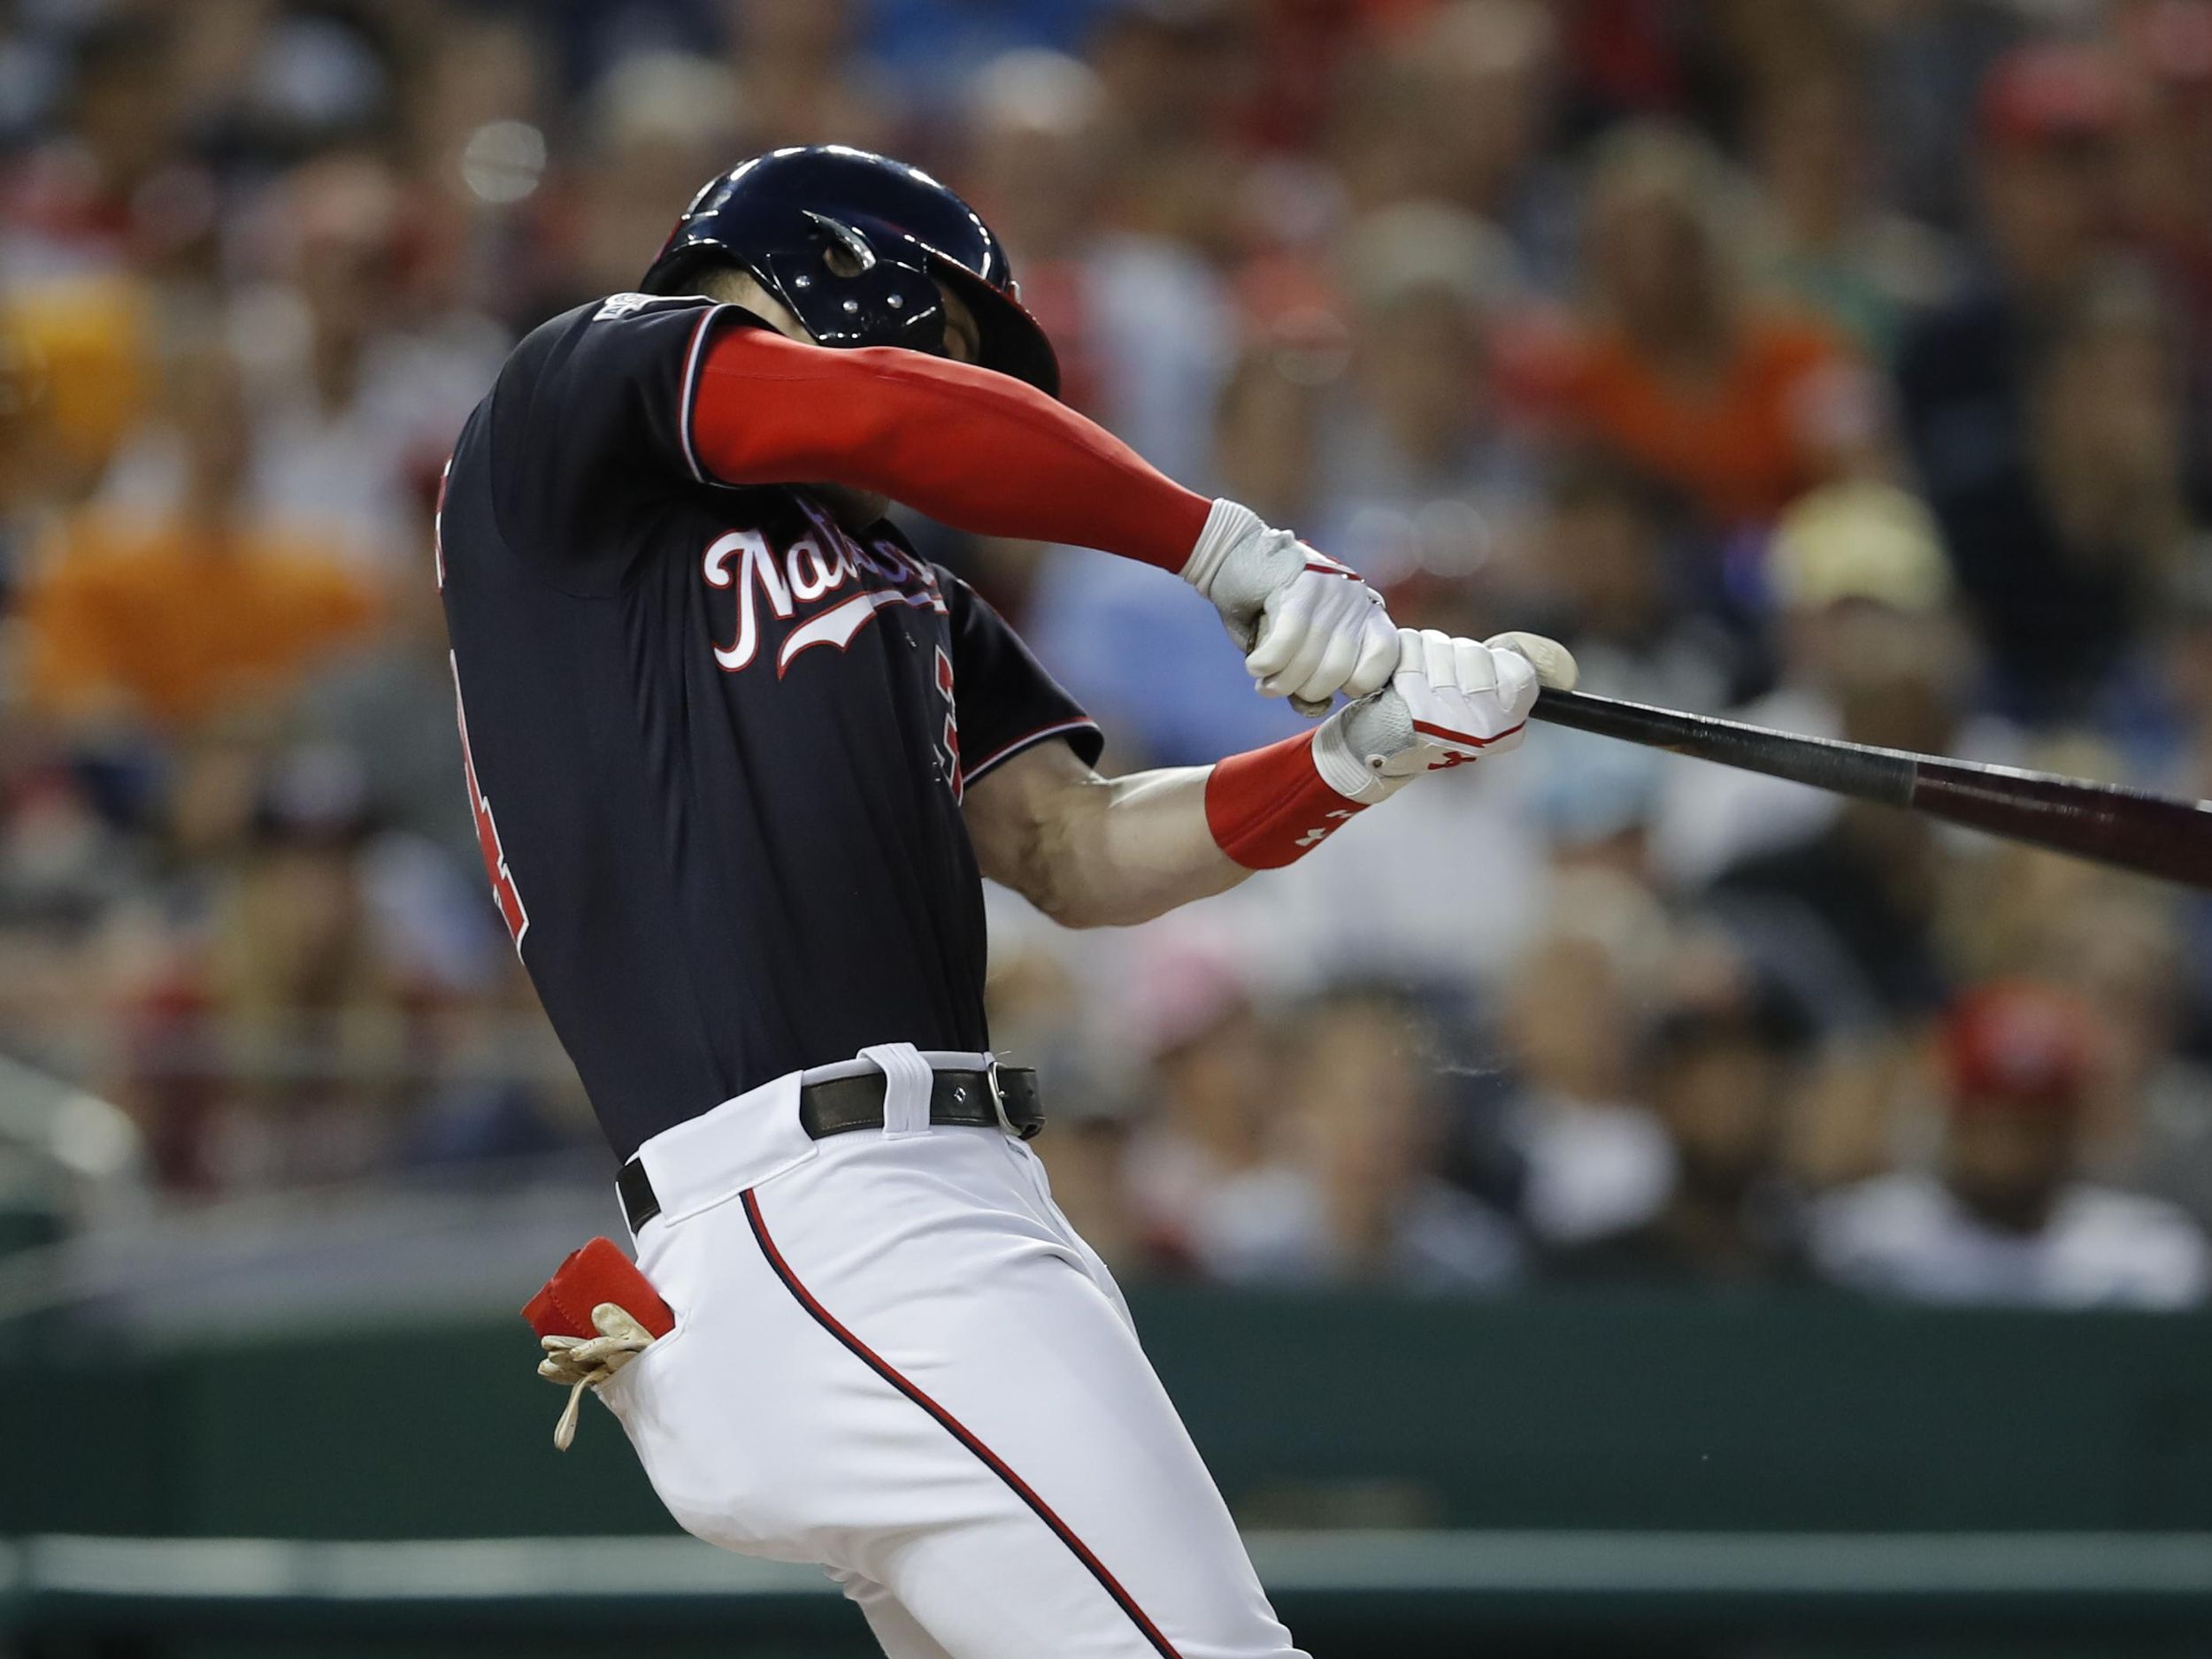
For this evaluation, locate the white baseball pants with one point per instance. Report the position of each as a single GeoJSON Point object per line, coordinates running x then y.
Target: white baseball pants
{"type": "Point", "coordinates": [893, 1356]}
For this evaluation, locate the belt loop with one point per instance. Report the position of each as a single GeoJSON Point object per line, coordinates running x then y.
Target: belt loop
{"type": "Point", "coordinates": [907, 1083]}
{"type": "Point", "coordinates": [634, 1190]}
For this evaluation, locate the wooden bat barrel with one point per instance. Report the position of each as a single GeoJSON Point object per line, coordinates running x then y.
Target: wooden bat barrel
{"type": "Point", "coordinates": [2150, 833]}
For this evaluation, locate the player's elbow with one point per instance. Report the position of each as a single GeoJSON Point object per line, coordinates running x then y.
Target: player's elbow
{"type": "Point", "coordinates": [1084, 906]}
{"type": "Point", "coordinates": [1052, 877]}
{"type": "Point", "coordinates": [1040, 825]}
{"type": "Point", "coordinates": [1078, 887]}
{"type": "Point", "coordinates": [1067, 909]}
{"type": "Point", "coordinates": [1043, 853]}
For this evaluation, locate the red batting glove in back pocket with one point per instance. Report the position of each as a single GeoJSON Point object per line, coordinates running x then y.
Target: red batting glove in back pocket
{"type": "Point", "coordinates": [596, 1273]}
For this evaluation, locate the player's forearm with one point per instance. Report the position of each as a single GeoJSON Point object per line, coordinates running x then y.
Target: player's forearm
{"type": "Point", "coordinates": [1143, 849]}
{"type": "Point", "coordinates": [1091, 851]}
{"type": "Point", "coordinates": [1110, 852]}
{"type": "Point", "coordinates": [980, 451]}
{"type": "Point", "coordinates": [1097, 852]}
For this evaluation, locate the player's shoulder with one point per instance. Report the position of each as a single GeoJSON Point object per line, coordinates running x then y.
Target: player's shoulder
{"type": "Point", "coordinates": [967, 593]}
{"type": "Point", "coordinates": [623, 314]}
{"type": "Point", "coordinates": [617, 316]}
{"type": "Point", "coordinates": [575, 380]}
{"type": "Point", "coordinates": [971, 614]}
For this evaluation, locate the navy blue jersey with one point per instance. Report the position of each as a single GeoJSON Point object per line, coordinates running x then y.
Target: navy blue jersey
{"type": "Point", "coordinates": [715, 743]}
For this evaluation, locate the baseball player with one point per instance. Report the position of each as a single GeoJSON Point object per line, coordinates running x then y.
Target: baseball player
{"type": "Point", "coordinates": [739, 758]}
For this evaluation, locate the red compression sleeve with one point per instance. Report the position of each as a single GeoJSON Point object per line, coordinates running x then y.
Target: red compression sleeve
{"type": "Point", "coordinates": [975, 450]}
{"type": "Point", "coordinates": [1271, 807]}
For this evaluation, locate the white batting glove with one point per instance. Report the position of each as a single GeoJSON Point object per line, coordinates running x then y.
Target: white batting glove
{"type": "Point", "coordinates": [578, 1363]}
{"type": "Point", "coordinates": [1309, 627]}
{"type": "Point", "coordinates": [1451, 701]}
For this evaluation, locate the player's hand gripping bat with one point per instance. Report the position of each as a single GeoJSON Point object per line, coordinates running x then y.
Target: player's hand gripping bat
{"type": "Point", "coordinates": [2151, 833]}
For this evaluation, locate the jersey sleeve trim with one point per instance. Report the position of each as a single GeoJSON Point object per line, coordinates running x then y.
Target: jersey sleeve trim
{"type": "Point", "coordinates": [999, 756]}
{"type": "Point", "coordinates": [690, 385]}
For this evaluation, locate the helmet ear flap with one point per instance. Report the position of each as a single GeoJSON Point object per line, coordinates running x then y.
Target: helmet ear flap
{"type": "Point", "coordinates": [842, 301]}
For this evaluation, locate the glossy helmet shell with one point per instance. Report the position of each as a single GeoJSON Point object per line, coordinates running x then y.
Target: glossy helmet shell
{"type": "Point", "coordinates": [780, 217]}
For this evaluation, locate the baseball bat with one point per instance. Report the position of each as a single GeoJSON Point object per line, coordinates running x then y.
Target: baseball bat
{"type": "Point", "coordinates": [2130, 828]}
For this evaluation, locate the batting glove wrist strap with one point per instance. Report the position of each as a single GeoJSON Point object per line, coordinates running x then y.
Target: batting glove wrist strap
{"type": "Point", "coordinates": [1353, 747]}
{"type": "Point", "coordinates": [1231, 527]}
{"type": "Point", "coordinates": [1274, 805]}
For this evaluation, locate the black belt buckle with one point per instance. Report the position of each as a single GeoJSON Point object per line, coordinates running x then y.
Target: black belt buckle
{"type": "Point", "coordinates": [1020, 1132]}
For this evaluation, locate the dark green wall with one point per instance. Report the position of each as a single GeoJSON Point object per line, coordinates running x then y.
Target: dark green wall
{"type": "Point", "coordinates": [1586, 1411]}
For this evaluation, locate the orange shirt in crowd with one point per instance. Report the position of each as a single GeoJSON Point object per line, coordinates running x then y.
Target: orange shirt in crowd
{"type": "Point", "coordinates": [1742, 448]}
{"type": "Point", "coordinates": [171, 623]}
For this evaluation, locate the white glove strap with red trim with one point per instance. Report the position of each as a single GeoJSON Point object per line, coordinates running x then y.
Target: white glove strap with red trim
{"type": "Point", "coordinates": [1351, 747]}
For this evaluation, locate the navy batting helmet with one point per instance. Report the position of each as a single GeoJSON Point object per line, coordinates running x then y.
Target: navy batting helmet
{"type": "Point", "coordinates": [782, 216]}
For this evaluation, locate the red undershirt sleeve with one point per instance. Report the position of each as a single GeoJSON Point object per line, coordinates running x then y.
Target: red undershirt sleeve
{"type": "Point", "coordinates": [977, 450]}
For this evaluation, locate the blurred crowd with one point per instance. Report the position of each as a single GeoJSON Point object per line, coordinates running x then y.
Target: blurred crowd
{"type": "Point", "coordinates": [1844, 363]}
